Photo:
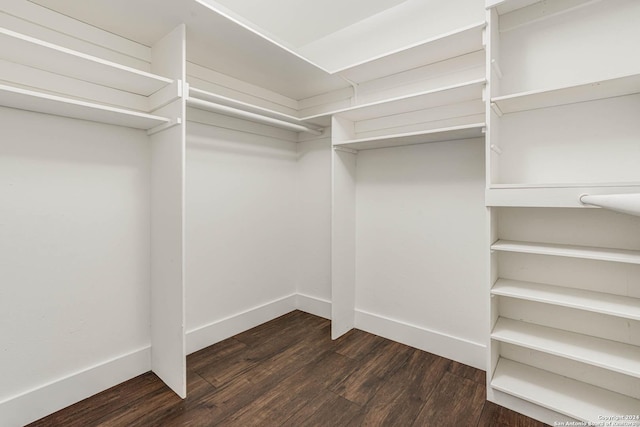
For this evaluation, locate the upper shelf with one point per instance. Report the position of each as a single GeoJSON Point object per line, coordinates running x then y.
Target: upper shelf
{"type": "Point", "coordinates": [552, 195]}
{"type": "Point", "coordinates": [571, 251]}
{"type": "Point", "coordinates": [416, 101]}
{"type": "Point", "coordinates": [58, 106]}
{"type": "Point", "coordinates": [475, 130]}
{"type": "Point", "coordinates": [591, 91]}
{"type": "Point", "coordinates": [506, 6]}
{"type": "Point", "coordinates": [40, 54]}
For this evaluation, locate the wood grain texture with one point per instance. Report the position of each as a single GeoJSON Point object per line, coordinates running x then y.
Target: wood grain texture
{"type": "Point", "coordinates": [288, 372]}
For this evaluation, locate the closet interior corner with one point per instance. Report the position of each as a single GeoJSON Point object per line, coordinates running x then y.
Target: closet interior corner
{"type": "Point", "coordinates": [176, 172]}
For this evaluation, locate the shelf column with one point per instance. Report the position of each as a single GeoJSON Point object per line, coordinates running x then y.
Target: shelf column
{"type": "Point", "coordinates": [168, 355]}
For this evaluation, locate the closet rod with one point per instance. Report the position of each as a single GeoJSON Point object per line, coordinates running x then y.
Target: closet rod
{"type": "Point", "coordinates": [625, 203]}
{"type": "Point", "coordinates": [223, 109]}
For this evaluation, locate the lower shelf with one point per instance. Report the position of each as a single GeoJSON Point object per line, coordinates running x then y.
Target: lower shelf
{"type": "Point", "coordinates": [611, 355]}
{"type": "Point", "coordinates": [564, 395]}
{"type": "Point", "coordinates": [571, 251]}
{"type": "Point", "coordinates": [39, 102]}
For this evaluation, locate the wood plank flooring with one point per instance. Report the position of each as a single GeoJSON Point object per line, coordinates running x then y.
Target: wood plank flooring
{"type": "Point", "coordinates": [288, 372]}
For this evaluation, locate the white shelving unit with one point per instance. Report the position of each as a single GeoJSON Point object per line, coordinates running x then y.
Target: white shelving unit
{"type": "Point", "coordinates": [590, 91]}
{"type": "Point", "coordinates": [58, 106]}
{"type": "Point", "coordinates": [552, 99]}
{"type": "Point", "coordinates": [564, 395]}
{"type": "Point", "coordinates": [40, 54]}
{"type": "Point", "coordinates": [596, 302]}
{"type": "Point", "coordinates": [416, 101]}
{"type": "Point", "coordinates": [421, 137]}
{"type": "Point", "coordinates": [155, 91]}
{"type": "Point", "coordinates": [571, 251]}
{"type": "Point", "coordinates": [612, 355]}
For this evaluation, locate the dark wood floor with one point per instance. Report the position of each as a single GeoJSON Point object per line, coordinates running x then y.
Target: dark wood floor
{"type": "Point", "coordinates": [288, 372]}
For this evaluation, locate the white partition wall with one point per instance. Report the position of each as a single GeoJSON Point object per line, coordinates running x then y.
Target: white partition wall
{"type": "Point", "coordinates": [168, 357]}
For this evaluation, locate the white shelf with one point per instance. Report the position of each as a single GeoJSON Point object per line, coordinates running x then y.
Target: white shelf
{"type": "Point", "coordinates": [611, 355]}
{"type": "Point", "coordinates": [58, 106]}
{"type": "Point", "coordinates": [40, 54]}
{"type": "Point", "coordinates": [571, 251]}
{"type": "Point", "coordinates": [411, 138]}
{"type": "Point", "coordinates": [552, 195]}
{"type": "Point", "coordinates": [590, 91]}
{"type": "Point", "coordinates": [597, 302]}
{"type": "Point", "coordinates": [438, 48]}
{"type": "Point", "coordinates": [417, 101]}
{"type": "Point", "coordinates": [564, 395]}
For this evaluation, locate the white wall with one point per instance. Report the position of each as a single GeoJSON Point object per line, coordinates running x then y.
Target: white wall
{"type": "Point", "coordinates": [240, 226]}
{"type": "Point", "coordinates": [314, 219]}
{"type": "Point", "coordinates": [74, 248]}
{"type": "Point", "coordinates": [420, 240]}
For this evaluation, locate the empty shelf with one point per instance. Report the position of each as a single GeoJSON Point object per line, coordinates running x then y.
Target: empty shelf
{"type": "Point", "coordinates": [611, 355]}
{"type": "Point", "coordinates": [40, 54]}
{"type": "Point", "coordinates": [596, 302]}
{"type": "Point", "coordinates": [591, 91]}
{"type": "Point", "coordinates": [572, 251]}
{"type": "Point", "coordinates": [58, 106]}
{"type": "Point", "coordinates": [418, 101]}
{"type": "Point", "coordinates": [422, 137]}
{"type": "Point", "coordinates": [564, 395]}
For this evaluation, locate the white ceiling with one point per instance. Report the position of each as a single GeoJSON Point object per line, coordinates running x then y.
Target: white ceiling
{"type": "Point", "coordinates": [296, 23]}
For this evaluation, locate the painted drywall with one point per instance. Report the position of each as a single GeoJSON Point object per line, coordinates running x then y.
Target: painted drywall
{"type": "Point", "coordinates": [314, 219]}
{"type": "Point", "coordinates": [74, 248]}
{"type": "Point", "coordinates": [240, 222]}
{"type": "Point", "coordinates": [420, 224]}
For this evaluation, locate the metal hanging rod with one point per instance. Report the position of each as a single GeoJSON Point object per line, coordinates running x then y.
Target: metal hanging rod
{"type": "Point", "coordinates": [625, 203]}
{"type": "Point", "coordinates": [235, 112]}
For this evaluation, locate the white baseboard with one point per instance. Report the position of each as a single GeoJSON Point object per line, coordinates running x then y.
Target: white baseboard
{"type": "Point", "coordinates": [451, 347]}
{"type": "Point", "coordinates": [39, 402]}
{"type": "Point", "coordinates": [317, 306]}
{"type": "Point", "coordinates": [206, 335]}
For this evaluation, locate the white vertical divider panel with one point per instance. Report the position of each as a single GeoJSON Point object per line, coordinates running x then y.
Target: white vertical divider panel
{"type": "Point", "coordinates": [168, 354]}
{"type": "Point", "coordinates": [489, 42]}
{"type": "Point", "coordinates": [343, 231]}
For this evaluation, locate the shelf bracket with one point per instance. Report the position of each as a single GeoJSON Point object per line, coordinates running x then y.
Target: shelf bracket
{"type": "Point", "coordinates": [496, 109]}
{"type": "Point", "coordinates": [354, 85]}
{"type": "Point", "coordinates": [496, 68]}
{"type": "Point", "coordinates": [345, 149]}
{"type": "Point", "coordinates": [496, 149]}
{"type": "Point", "coordinates": [164, 126]}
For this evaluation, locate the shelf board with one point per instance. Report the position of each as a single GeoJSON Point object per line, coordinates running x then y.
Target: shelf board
{"type": "Point", "coordinates": [597, 302]}
{"type": "Point", "coordinates": [552, 195]}
{"type": "Point", "coordinates": [416, 101]}
{"type": "Point", "coordinates": [22, 49]}
{"type": "Point", "coordinates": [606, 354]}
{"type": "Point", "coordinates": [441, 47]}
{"type": "Point", "coordinates": [411, 138]}
{"type": "Point", "coordinates": [561, 394]}
{"type": "Point", "coordinates": [590, 91]}
{"type": "Point", "coordinates": [571, 251]}
{"type": "Point", "coordinates": [58, 106]}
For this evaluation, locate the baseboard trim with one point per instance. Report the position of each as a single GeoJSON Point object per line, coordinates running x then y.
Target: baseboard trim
{"type": "Point", "coordinates": [313, 305]}
{"type": "Point", "coordinates": [206, 335]}
{"type": "Point", "coordinates": [46, 399]}
{"type": "Point", "coordinates": [451, 347]}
